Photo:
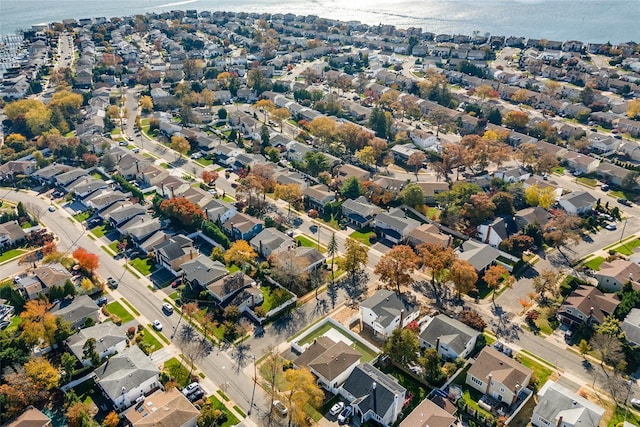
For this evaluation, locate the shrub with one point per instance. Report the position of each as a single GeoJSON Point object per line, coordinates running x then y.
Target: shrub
{"type": "Point", "coordinates": [116, 320]}
{"type": "Point", "coordinates": [131, 331]}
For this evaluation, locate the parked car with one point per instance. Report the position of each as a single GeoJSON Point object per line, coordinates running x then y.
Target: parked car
{"type": "Point", "coordinates": [336, 408]}
{"type": "Point", "coordinates": [279, 406]}
{"type": "Point", "coordinates": [345, 414]}
{"type": "Point", "coordinates": [112, 283]}
{"type": "Point", "coordinates": [52, 209]}
{"type": "Point", "coordinates": [624, 202]}
{"type": "Point", "coordinates": [167, 308]}
{"type": "Point", "coordinates": [604, 187]}
{"type": "Point", "coordinates": [197, 394]}
{"type": "Point", "coordinates": [190, 388]}
{"type": "Point", "coordinates": [568, 334]}
{"type": "Point", "coordinates": [157, 325]}
{"type": "Point", "coordinates": [611, 226]}
{"type": "Point", "coordinates": [101, 301]}
{"type": "Point", "coordinates": [507, 351]}
{"type": "Point", "coordinates": [123, 143]}
{"type": "Point", "coordinates": [176, 283]}
{"type": "Point", "coordinates": [635, 402]}
{"type": "Point", "coordinates": [498, 345]}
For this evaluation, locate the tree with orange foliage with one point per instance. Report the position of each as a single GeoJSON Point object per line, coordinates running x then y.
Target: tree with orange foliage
{"type": "Point", "coordinates": [183, 212]}
{"type": "Point", "coordinates": [86, 260]}
{"type": "Point", "coordinates": [209, 176]}
{"type": "Point", "coordinates": [396, 266]}
{"type": "Point", "coordinates": [49, 248]}
{"type": "Point", "coordinates": [493, 276]}
{"type": "Point", "coordinates": [463, 276]}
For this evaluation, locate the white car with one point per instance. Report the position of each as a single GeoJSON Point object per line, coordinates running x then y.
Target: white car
{"type": "Point", "coordinates": [52, 209]}
{"type": "Point", "coordinates": [610, 227]}
{"type": "Point", "coordinates": [167, 307]}
{"type": "Point", "coordinates": [279, 406]}
{"type": "Point", "coordinates": [635, 402]}
{"type": "Point", "coordinates": [345, 414]}
{"type": "Point", "coordinates": [337, 408]}
{"type": "Point", "coordinates": [190, 388]}
{"type": "Point", "coordinates": [157, 325]}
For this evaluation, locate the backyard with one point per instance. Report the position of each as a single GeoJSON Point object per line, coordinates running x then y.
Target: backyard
{"type": "Point", "coordinates": [272, 300]}
{"type": "Point", "coordinates": [417, 390]}
{"type": "Point", "coordinates": [367, 354]}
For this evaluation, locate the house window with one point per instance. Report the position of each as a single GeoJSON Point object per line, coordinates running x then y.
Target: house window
{"type": "Point", "coordinates": [543, 421]}
{"type": "Point", "coordinates": [502, 389]}
{"type": "Point", "coordinates": [477, 381]}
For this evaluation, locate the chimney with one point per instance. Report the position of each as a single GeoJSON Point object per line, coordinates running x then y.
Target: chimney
{"type": "Point", "coordinates": [373, 393]}
{"type": "Point", "coordinates": [437, 344]}
{"type": "Point", "coordinates": [515, 395]}
{"type": "Point", "coordinates": [137, 167]}
{"type": "Point", "coordinates": [489, 377]}
{"type": "Point", "coordinates": [172, 193]}
{"type": "Point", "coordinates": [192, 254]}
{"type": "Point", "coordinates": [559, 422]}
{"type": "Point", "coordinates": [401, 318]}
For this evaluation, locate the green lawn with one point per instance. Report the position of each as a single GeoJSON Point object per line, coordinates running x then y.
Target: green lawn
{"type": "Point", "coordinates": [471, 396]}
{"type": "Point", "coordinates": [594, 264]}
{"type": "Point", "coordinates": [363, 236]}
{"type": "Point", "coordinates": [117, 309]}
{"type": "Point", "coordinates": [150, 339]}
{"type": "Point", "coordinates": [541, 372]}
{"type": "Point", "coordinates": [558, 170]}
{"type": "Point", "coordinates": [591, 182]}
{"type": "Point", "coordinates": [82, 216]}
{"type": "Point", "coordinates": [145, 266]}
{"type": "Point", "coordinates": [99, 231]}
{"type": "Point", "coordinates": [620, 414]}
{"type": "Point", "coordinates": [627, 248]}
{"type": "Point", "coordinates": [309, 243]}
{"type": "Point", "coordinates": [233, 268]}
{"type": "Point", "coordinates": [268, 302]}
{"type": "Point", "coordinates": [204, 162]}
{"type": "Point", "coordinates": [433, 213]}
{"type": "Point", "coordinates": [178, 371]}
{"type": "Point", "coordinates": [367, 354]}
{"type": "Point", "coordinates": [11, 254]}
{"type": "Point", "coordinates": [114, 246]}
{"type": "Point", "coordinates": [228, 199]}
{"type": "Point", "coordinates": [232, 420]}
{"type": "Point", "coordinates": [165, 165]}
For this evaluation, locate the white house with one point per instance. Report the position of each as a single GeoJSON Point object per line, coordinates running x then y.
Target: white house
{"type": "Point", "coordinates": [385, 311]}
{"type": "Point", "coordinates": [127, 376]}
{"type": "Point", "coordinates": [560, 407]}
{"type": "Point", "coordinates": [577, 202]}
{"type": "Point", "coordinates": [109, 340]}
{"type": "Point", "coordinates": [450, 337]}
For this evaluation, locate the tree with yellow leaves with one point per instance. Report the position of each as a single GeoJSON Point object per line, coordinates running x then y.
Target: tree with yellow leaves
{"type": "Point", "coordinates": [537, 196]}
{"type": "Point", "coordinates": [38, 323]}
{"type": "Point", "coordinates": [240, 253]}
{"type": "Point", "coordinates": [302, 390]}
{"type": "Point", "coordinates": [633, 108]}
{"type": "Point", "coordinates": [42, 373]}
{"type": "Point", "coordinates": [146, 103]}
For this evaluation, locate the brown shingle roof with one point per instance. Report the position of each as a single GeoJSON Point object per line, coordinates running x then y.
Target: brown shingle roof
{"type": "Point", "coordinates": [586, 297]}
{"type": "Point", "coordinates": [502, 369]}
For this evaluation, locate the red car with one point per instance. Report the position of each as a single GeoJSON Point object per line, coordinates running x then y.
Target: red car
{"type": "Point", "coordinates": [176, 283]}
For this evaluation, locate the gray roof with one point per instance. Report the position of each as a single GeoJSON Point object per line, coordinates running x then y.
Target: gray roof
{"type": "Point", "coordinates": [126, 370]}
{"type": "Point", "coordinates": [141, 226]}
{"type": "Point", "coordinates": [631, 326]}
{"type": "Point", "coordinates": [125, 212]}
{"type": "Point", "coordinates": [271, 238]}
{"type": "Point", "coordinates": [397, 220]}
{"type": "Point", "coordinates": [387, 305]}
{"type": "Point", "coordinates": [66, 178]}
{"type": "Point", "coordinates": [104, 199]}
{"type": "Point", "coordinates": [452, 332]}
{"type": "Point", "coordinates": [106, 335]}
{"type": "Point", "coordinates": [76, 309]}
{"type": "Point", "coordinates": [478, 254]}
{"type": "Point", "coordinates": [361, 206]}
{"type": "Point", "coordinates": [580, 199]}
{"type": "Point", "coordinates": [175, 247]}
{"type": "Point", "coordinates": [556, 401]}
{"type": "Point", "coordinates": [378, 399]}
{"type": "Point", "coordinates": [215, 208]}
{"type": "Point", "coordinates": [52, 170]}
{"type": "Point", "coordinates": [202, 271]}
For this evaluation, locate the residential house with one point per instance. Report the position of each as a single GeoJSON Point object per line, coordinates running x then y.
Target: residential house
{"type": "Point", "coordinates": [580, 163]}
{"type": "Point", "coordinates": [85, 186]}
{"type": "Point", "coordinates": [558, 406]}
{"type": "Point", "coordinates": [127, 376]}
{"type": "Point", "coordinates": [242, 226]}
{"type": "Point", "coordinates": [30, 417]}
{"type": "Point", "coordinates": [175, 251]}
{"type": "Point", "coordinates": [14, 168]}
{"type": "Point", "coordinates": [612, 174]}
{"type": "Point", "coordinates": [102, 200]}
{"type": "Point", "coordinates": [218, 211]}
{"type": "Point", "coordinates": [332, 362]}
{"type": "Point", "coordinates": [631, 326]}
{"type": "Point", "coordinates": [603, 144]}
{"type": "Point", "coordinates": [614, 274]}
{"type": "Point", "coordinates": [226, 288]}
{"type": "Point", "coordinates": [317, 196]}
{"type": "Point", "coordinates": [429, 414]}
{"type": "Point", "coordinates": [48, 173]}
{"type": "Point", "coordinates": [64, 179]}
{"type": "Point", "coordinates": [345, 171]}
{"type": "Point", "coordinates": [122, 212]}
{"type": "Point", "coordinates": [305, 258]}
{"type": "Point", "coordinates": [360, 213]}
{"type": "Point", "coordinates": [494, 232]}
{"type": "Point", "coordinates": [402, 152]}
{"type": "Point", "coordinates": [385, 311]}
{"type": "Point", "coordinates": [498, 376]}
{"type": "Point", "coordinates": [139, 228]}
{"type": "Point", "coordinates": [43, 278]}
{"type": "Point", "coordinates": [425, 140]}
{"type": "Point", "coordinates": [11, 233]}
{"type": "Point", "coordinates": [394, 225]}
{"type": "Point", "coordinates": [109, 339]}
{"type": "Point", "coordinates": [164, 408]}
{"type": "Point", "coordinates": [77, 311]}
{"type": "Point", "coordinates": [373, 395]}
{"type": "Point", "coordinates": [450, 337]}
{"type": "Point", "coordinates": [535, 216]}
{"type": "Point", "coordinates": [480, 255]}
{"type": "Point", "coordinates": [587, 305]}
{"type": "Point", "coordinates": [270, 240]}
{"type": "Point", "coordinates": [515, 174]}
{"type": "Point", "coordinates": [577, 202]}
{"type": "Point", "coordinates": [430, 190]}
{"type": "Point", "coordinates": [429, 233]}
{"type": "Point", "coordinates": [202, 271]}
